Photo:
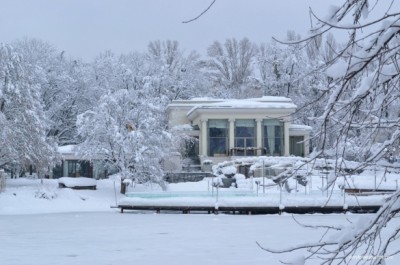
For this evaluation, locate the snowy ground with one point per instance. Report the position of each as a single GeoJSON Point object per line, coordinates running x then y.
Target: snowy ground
{"type": "Point", "coordinates": [113, 238]}
{"type": "Point", "coordinates": [79, 227]}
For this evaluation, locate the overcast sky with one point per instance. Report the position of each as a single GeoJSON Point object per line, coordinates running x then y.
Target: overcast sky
{"type": "Point", "coordinates": [84, 28]}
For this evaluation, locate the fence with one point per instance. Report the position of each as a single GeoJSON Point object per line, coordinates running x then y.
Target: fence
{"type": "Point", "coordinates": [177, 177]}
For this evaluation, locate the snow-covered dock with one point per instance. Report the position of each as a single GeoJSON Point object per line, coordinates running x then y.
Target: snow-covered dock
{"type": "Point", "coordinates": [252, 204]}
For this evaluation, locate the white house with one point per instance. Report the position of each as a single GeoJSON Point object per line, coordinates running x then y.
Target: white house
{"type": "Point", "coordinates": [227, 129]}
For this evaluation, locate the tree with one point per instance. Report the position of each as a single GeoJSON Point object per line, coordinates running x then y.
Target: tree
{"type": "Point", "coordinates": [178, 75]}
{"type": "Point", "coordinates": [288, 70]}
{"type": "Point", "coordinates": [363, 98]}
{"type": "Point", "coordinates": [282, 68]}
{"type": "Point", "coordinates": [125, 129]}
{"type": "Point", "coordinates": [23, 124]}
{"type": "Point", "coordinates": [231, 67]}
{"type": "Point", "coordinates": [63, 86]}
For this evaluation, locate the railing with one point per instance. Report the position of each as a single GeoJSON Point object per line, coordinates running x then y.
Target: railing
{"type": "Point", "coordinates": [247, 151]}
{"type": "Point", "coordinates": [176, 177]}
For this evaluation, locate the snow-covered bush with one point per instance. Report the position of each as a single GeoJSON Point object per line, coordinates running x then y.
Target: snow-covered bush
{"type": "Point", "coordinates": [229, 171]}
{"type": "Point", "coordinates": [46, 191]}
{"type": "Point", "coordinates": [238, 176]}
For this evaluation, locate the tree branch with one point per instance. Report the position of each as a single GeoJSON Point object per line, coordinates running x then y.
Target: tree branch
{"type": "Point", "coordinates": [202, 13]}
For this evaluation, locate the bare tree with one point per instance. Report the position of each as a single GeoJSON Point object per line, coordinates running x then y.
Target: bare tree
{"type": "Point", "coordinates": [179, 73]}
{"type": "Point", "coordinates": [231, 64]}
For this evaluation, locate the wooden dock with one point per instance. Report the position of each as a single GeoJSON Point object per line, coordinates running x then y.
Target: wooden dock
{"type": "Point", "coordinates": [254, 209]}
{"type": "Point", "coordinates": [255, 205]}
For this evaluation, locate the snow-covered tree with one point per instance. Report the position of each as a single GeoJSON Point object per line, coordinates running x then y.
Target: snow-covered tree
{"type": "Point", "coordinates": [64, 84]}
{"type": "Point", "coordinates": [282, 68]}
{"type": "Point", "coordinates": [363, 105]}
{"type": "Point", "coordinates": [231, 67]}
{"type": "Point", "coordinates": [125, 129]}
{"type": "Point", "coordinates": [364, 92]}
{"type": "Point", "coordinates": [176, 75]}
{"type": "Point", "coordinates": [290, 71]}
{"type": "Point", "coordinates": [23, 123]}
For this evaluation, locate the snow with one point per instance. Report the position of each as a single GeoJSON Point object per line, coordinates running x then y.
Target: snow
{"type": "Point", "coordinates": [229, 170]}
{"type": "Point", "coordinates": [80, 227]}
{"type": "Point", "coordinates": [337, 70]}
{"type": "Point", "coordinates": [182, 127]}
{"type": "Point", "coordinates": [244, 104]}
{"type": "Point", "coordinates": [265, 102]}
{"type": "Point", "coordinates": [234, 199]}
{"type": "Point", "coordinates": [67, 149]}
{"type": "Point", "coordinates": [370, 179]}
{"type": "Point", "coordinates": [77, 182]}
{"type": "Point", "coordinates": [19, 197]}
{"type": "Point", "coordinates": [300, 127]}
{"type": "Point", "coordinates": [111, 238]}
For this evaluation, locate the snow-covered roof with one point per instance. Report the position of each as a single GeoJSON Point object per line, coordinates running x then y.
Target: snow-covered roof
{"type": "Point", "coordinates": [69, 152]}
{"type": "Point", "coordinates": [207, 100]}
{"type": "Point", "coordinates": [266, 102]}
{"type": "Point", "coordinates": [182, 127]}
{"type": "Point", "coordinates": [299, 127]}
{"type": "Point", "coordinates": [67, 149]}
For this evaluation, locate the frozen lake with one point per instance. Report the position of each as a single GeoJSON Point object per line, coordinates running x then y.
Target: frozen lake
{"type": "Point", "coordinates": [137, 238]}
{"type": "Point", "coordinates": [79, 227]}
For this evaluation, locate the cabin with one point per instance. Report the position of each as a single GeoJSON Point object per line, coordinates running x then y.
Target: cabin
{"type": "Point", "coordinates": [226, 129]}
{"type": "Point", "coordinates": [74, 166]}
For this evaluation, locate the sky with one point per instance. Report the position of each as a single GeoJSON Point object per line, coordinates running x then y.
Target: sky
{"type": "Point", "coordinates": [85, 28]}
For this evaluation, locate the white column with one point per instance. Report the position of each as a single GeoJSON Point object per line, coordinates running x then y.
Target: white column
{"type": "Point", "coordinates": [259, 136]}
{"type": "Point", "coordinates": [204, 139]}
{"type": "Point", "coordinates": [65, 168]}
{"type": "Point", "coordinates": [231, 135]}
{"type": "Point", "coordinates": [286, 135]}
{"type": "Point", "coordinates": [306, 144]}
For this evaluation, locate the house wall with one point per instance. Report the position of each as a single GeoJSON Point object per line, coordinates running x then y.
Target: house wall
{"type": "Point", "coordinates": [233, 115]}
{"type": "Point", "coordinates": [302, 131]}
{"type": "Point", "coordinates": [177, 116]}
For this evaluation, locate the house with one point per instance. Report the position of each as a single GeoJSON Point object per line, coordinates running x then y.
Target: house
{"type": "Point", "coordinates": [74, 166]}
{"type": "Point", "coordinates": [226, 129]}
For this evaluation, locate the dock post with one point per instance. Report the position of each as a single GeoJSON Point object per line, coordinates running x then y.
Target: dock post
{"type": "Point", "coordinates": [263, 177]}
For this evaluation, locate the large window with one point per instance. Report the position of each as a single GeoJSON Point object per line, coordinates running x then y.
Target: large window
{"type": "Point", "coordinates": [245, 137]}
{"type": "Point", "coordinates": [297, 145]}
{"type": "Point", "coordinates": [218, 132]}
{"type": "Point", "coordinates": [79, 169]}
{"type": "Point", "coordinates": [58, 171]}
{"type": "Point", "coordinates": [273, 137]}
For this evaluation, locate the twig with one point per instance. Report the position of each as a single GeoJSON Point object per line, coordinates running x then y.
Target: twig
{"type": "Point", "coordinates": [315, 226]}
{"type": "Point", "coordinates": [202, 13]}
